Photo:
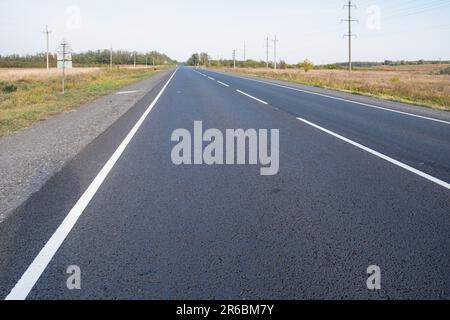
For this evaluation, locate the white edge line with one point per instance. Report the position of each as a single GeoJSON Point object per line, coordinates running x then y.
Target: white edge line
{"type": "Point", "coordinates": [380, 155]}
{"type": "Point", "coordinates": [40, 263]}
{"type": "Point", "coordinates": [345, 100]}
{"type": "Point", "coordinates": [252, 97]}
{"type": "Point", "coordinates": [224, 84]}
{"type": "Point", "coordinates": [211, 78]}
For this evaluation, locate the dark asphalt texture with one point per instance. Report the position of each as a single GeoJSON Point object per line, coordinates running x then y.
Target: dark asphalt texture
{"type": "Point", "coordinates": [159, 231]}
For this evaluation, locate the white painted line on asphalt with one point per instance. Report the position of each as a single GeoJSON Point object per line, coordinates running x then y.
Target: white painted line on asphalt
{"type": "Point", "coordinates": [224, 84]}
{"type": "Point", "coordinates": [252, 97]}
{"type": "Point", "coordinates": [211, 78]}
{"type": "Point", "coordinates": [40, 263]}
{"type": "Point", "coordinates": [127, 92]}
{"type": "Point", "coordinates": [345, 100]}
{"type": "Point", "coordinates": [380, 155]}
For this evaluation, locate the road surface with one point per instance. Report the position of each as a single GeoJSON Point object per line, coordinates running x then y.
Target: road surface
{"type": "Point", "coordinates": [358, 185]}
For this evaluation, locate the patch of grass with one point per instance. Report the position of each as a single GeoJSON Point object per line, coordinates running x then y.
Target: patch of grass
{"type": "Point", "coordinates": [445, 71]}
{"type": "Point", "coordinates": [26, 101]}
{"type": "Point", "coordinates": [9, 88]}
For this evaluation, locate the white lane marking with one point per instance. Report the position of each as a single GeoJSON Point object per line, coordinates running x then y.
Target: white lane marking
{"type": "Point", "coordinates": [380, 155]}
{"type": "Point", "coordinates": [40, 263]}
{"type": "Point", "coordinates": [211, 78]}
{"type": "Point", "coordinates": [127, 92]}
{"type": "Point", "coordinates": [345, 100]}
{"type": "Point", "coordinates": [224, 84]}
{"type": "Point", "coordinates": [252, 97]}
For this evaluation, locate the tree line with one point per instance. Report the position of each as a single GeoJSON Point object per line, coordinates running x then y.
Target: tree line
{"type": "Point", "coordinates": [204, 60]}
{"type": "Point", "coordinates": [89, 58]}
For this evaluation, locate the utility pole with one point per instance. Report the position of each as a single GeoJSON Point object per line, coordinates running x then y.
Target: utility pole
{"type": "Point", "coordinates": [146, 61]}
{"type": "Point", "coordinates": [111, 58]}
{"type": "Point", "coordinates": [267, 52]}
{"type": "Point", "coordinates": [350, 34]}
{"type": "Point", "coordinates": [234, 58]}
{"type": "Point", "coordinates": [64, 46]}
{"type": "Point", "coordinates": [47, 34]}
{"type": "Point", "coordinates": [275, 53]}
{"type": "Point", "coordinates": [245, 51]}
{"type": "Point", "coordinates": [134, 58]}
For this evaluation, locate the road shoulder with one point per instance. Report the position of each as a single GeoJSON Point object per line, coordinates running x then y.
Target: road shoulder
{"type": "Point", "coordinates": [30, 157]}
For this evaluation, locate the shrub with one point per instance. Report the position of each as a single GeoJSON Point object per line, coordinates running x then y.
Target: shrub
{"type": "Point", "coordinates": [282, 65]}
{"type": "Point", "coordinates": [9, 88]}
{"type": "Point", "coordinates": [307, 65]}
{"type": "Point", "coordinates": [445, 71]}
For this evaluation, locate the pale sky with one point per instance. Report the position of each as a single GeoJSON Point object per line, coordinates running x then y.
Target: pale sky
{"type": "Point", "coordinates": [405, 29]}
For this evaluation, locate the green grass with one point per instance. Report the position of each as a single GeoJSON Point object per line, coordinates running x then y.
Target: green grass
{"type": "Point", "coordinates": [38, 99]}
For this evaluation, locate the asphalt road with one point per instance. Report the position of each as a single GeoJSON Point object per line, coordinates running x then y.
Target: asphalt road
{"type": "Point", "coordinates": [358, 185]}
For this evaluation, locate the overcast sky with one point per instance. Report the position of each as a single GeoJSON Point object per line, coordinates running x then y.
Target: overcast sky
{"type": "Point", "coordinates": [387, 29]}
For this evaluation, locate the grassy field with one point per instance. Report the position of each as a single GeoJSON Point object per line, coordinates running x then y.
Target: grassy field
{"type": "Point", "coordinates": [31, 95]}
{"type": "Point", "coordinates": [420, 84]}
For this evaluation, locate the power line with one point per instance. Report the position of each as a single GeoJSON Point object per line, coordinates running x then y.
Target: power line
{"type": "Point", "coordinates": [418, 10]}
{"type": "Point", "coordinates": [350, 34]}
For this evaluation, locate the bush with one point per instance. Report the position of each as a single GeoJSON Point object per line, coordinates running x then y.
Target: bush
{"type": "Point", "coordinates": [9, 88]}
{"type": "Point", "coordinates": [282, 65]}
{"type": "Point", "coordinates": [445, 71]}
{"type": "Point", "coordinates": [307, 65]}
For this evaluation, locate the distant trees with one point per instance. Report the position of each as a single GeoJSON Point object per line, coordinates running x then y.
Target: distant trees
{"type": "Point", "coordinates": [121, 57]}
{"type": "Point", "coordinates": [199, 59]}
{"type": "Point", "coordinates": [89, 58]}
{"type": "Point", "coordinates": [204, 59]}
{"type": "Point", "coordinates": [194, 60]}
{"type": "Point", "coordinates": [27, 61]}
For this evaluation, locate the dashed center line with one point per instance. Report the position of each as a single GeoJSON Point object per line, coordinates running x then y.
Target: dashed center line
{"type": "Point", "coordinates": [222, 83]}
{"type": "Point", "coordinates": [227, 85]}
{"type": "Point", "coordinates": [340, 99]}
{"type": "Point", "coordinates": [252, 97]}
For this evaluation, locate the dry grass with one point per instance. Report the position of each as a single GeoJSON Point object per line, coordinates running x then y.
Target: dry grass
{"type": "Point", "coordinates": [37, 92]}
{"type": "Point", "coordinates": [13, 74]}
{"type": "Point", "coordinates": [418, 85]}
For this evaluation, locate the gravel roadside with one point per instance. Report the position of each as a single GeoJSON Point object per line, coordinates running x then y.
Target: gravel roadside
{"type": "Point", "coordinates": [28, 158]}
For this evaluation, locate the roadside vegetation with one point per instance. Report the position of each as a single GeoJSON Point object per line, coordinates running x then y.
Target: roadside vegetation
{"type": "Point", "coordinates": [414, 86]}
{"type": "Point", "coordinates": [422, 83]}
{"type": "Point", "coordinates": [31, 95]}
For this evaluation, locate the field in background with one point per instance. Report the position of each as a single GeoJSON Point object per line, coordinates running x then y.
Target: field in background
{"type": "Point", "coordinates": [414, 84]}
{"type": "Point", "coordinates": [30, 95]}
